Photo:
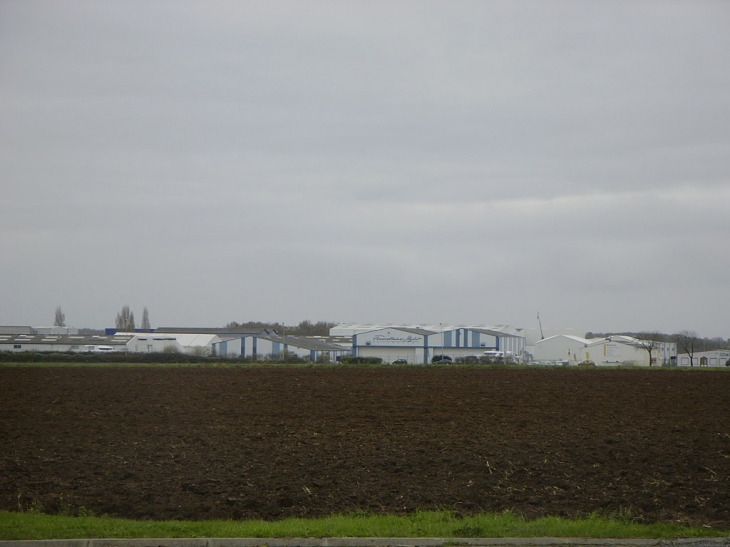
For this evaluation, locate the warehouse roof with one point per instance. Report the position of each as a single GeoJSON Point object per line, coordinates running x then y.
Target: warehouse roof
{"type": "Point", "coordinates": [17, 329]}
{"type": "Point", "coordinates": [569, 337]}
{"type": "Point", "coordinates": [492, 332]}
{"type": "Point", "coordinates": [316, 343]}
{"type": "Point", "coordinates": [410, 330]}
{"type": "Point", "coordinates": [220, 331]}
{"type": "Point", "coordinates": [66, 339]}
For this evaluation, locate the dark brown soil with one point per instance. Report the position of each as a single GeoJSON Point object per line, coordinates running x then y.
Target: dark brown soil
{"type": "Point", "coordinates": [203, 443]}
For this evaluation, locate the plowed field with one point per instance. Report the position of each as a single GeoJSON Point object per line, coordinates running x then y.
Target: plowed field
{"type": "Point", "coordinates": [202, 443]}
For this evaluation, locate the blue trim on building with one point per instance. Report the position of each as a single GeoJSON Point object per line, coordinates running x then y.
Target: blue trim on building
{"type": "Point", "coordinates": [447, 339]}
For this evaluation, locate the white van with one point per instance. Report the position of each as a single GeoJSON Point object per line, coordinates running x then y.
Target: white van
{"type": "Point", "coordinates": [102, 349]}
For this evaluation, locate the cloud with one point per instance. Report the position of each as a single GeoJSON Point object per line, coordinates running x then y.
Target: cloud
{"type": "Point", "coordinates": [366, 161]}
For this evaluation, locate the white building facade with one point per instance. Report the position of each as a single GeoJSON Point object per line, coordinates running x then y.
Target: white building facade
{"type": "Point", "coordinates": [188, 343]}
{"type": "Point", "coordinates": [717, 358]}
{"type": "Point", "coordinates": [561, 347]}
{"type": "Point", "coordinates": [612, 350]}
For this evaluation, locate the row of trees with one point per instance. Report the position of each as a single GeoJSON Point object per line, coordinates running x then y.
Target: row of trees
{"type": "Point", "coordinates": [125, 320]}
{"type": "Point", "coordinates": [304, 328]}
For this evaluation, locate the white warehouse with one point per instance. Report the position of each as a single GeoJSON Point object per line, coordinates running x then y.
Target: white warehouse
{"type": "Point", "coordinates": [613, 350]}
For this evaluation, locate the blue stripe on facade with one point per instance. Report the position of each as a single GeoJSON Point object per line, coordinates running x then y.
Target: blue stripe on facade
{"type": "Point", "coordinates": [447, 339]}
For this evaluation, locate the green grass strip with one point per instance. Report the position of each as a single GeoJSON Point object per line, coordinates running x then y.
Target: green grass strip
{"type": "Point", "coordinates": [443, 524]}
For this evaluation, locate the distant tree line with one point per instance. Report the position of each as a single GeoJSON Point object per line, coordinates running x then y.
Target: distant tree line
{"type": "Point", "coordinates": [304, 328]}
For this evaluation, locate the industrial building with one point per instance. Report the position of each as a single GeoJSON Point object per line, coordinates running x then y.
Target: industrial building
{"type": "Point", "coordinates": [413, 344]}
{"type": "Point", "coordinates": [63, 339]}
{"type": "Point", "coordinates": [271, 345]}
{"type": "Point", "coordinates": [189, 343]}
{"type": "Point", "coordinates": [34, 341]}
{"type": "Point", "coordinates": [716, 358]}
{"type": "Point", "coordinates": [612, 350]}
{"type": "Point", "coordinates": [419, 345]}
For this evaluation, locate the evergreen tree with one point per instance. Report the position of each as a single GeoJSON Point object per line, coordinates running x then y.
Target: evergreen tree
{"type": "Point", "coordinates": [145, 320]}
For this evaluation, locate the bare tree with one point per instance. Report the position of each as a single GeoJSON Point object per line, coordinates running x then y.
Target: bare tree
{"type": "Point", "coordinates": [305, 328]}
{"type": "Point", "coordinates": [687, 342]}
{"type": "Point", "coordinates": [125, 320]}
{"type": "Point", "coordinates": [60, 320]}
{"type": "Point", "coordinates": [648, 341]}
{"type": "Point", "coordinates": [145, 320]}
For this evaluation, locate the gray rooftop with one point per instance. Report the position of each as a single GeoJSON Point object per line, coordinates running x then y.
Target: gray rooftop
{"type": "Point", "coordinates": [65, 339]}
{"type": "Point", "coordinates": [220, 331]}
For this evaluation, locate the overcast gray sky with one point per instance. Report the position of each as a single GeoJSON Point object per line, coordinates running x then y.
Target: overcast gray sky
{"type": "Point", "coordinates": [366, 161]}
